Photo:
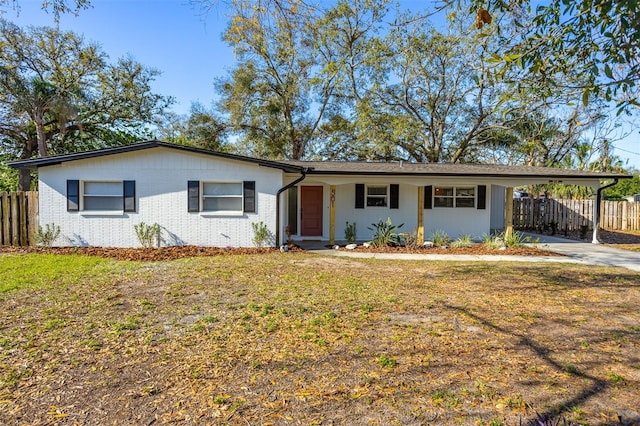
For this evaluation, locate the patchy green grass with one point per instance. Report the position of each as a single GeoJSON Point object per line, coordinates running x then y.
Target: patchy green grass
{"type": "Point", "coordinates": [302, 339]}
{"type": "Point", "coordinates": [47, 271]}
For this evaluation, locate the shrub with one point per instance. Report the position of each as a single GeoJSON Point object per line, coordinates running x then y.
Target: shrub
{"type": "Point", "coordinates": [148, 235]}
{"type": "Point", "coordinates": [385, 233]}
{"type": "Point", "coordinates": [439, 238]}
{"type": "Point", "coordinates": [261, 233]}
{"type": "Point", "coordinates": [47, 236]}
{"type": "Point", "coordinates": [350, 232]}
{"type": "Point", "coordinates": [410, 239]}
{"type": "Point", "coordinates": [516, 239]}
{"type": "Point", "coordinates": [463, 241]}
{"type": "Point", "coordinates": [493, 241]}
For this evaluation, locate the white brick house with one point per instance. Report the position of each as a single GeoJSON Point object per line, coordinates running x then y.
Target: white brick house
{"type": "Point", "coordinates": [207, 198]}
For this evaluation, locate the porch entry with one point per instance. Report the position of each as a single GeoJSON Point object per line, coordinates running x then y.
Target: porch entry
{"type": "Point", "coordinates": [311, 211]}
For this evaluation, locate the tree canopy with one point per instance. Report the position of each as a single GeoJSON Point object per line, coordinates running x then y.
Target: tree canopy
{"type": "Point", "coordinates": [58, 94]}
{"type": "Point", "coordinates": [361, 80]}
{"type": "Point", "coordinates": [599, 40]}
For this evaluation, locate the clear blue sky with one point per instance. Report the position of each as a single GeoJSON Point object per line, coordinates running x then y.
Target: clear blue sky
{"type": "Point", "coordinates": [168, 35]}
{"type": "Point", "coordinates": [184, 44]}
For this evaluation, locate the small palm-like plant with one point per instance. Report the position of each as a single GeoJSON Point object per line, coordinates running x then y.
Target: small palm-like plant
{"type": "Point", "coordinates": [385, 233]}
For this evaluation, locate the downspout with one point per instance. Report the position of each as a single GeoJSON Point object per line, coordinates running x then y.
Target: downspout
{"type": "Point", "coordinates": [596, 211]}
{"type": "Point", "coordinates": [280, 191]}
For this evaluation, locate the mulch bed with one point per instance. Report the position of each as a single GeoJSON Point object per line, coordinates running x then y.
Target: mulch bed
{"type": "Point", "coordinates": [474, 250]}
{"type": "Point", "coordinates": [139, 254]}
{"type": "Point", "coordinates": [179, 252]}
{"type": "Point", "coordinates": [619, 239]}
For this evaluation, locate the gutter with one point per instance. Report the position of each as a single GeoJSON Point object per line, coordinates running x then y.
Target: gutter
{"type": "Point", "coordinates": [596, 211]}
{"type": "Point", "coordinates": [280, 191]}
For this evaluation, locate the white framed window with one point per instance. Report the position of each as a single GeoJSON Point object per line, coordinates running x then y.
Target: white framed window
{"type": "Point", "coordinates": [377, 196]}
{"type": "Point", "coordinates": [454, 197]}
{"type": "Point", "coordinates": [466, 197]}
{"type": "Point", "coordinates": [102, 196]}
{"type": "Point", "coordinates": [222, 197]}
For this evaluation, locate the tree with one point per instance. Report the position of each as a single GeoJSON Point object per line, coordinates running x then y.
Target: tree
{"type": "Point", "coordinates": [273, 98]}
{"type": "Point", "coordinates": [57, 7]}
{"type": "Point", "coordinates": [597, 39]}
{"type": "Point", "coordinates": [58, 94]}
{"type": "Point", "coordinates": [201, 129]}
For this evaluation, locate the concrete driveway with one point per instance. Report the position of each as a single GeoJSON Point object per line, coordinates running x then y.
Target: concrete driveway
{"type": "Point", "coordinates": [574, 252]}
{"type": "Point", "coordinates": [590, 254]}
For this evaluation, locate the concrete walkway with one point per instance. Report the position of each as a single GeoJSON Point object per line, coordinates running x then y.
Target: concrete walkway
{"type": "Point", "coordinates": [574, 252]}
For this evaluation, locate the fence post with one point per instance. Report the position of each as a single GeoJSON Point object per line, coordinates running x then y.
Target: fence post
{"type": "Point", "coordinates": [32, 217]}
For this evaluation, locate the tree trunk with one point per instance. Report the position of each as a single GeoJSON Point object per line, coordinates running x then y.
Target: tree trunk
{"type": "Point", "coordinates": [38, 119]}
{"type": "Point", "coordinates": [24, 180]}
{"type": "Point", "coordinates": [24, 175]}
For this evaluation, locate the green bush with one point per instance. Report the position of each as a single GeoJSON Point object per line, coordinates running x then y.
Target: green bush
{"type": "Point", "coordinates": [463, 241]}
{"type": "Point", "coordinates": [516, 239]}
{"type": "Point", "coordinates": [261, 234]}
{"type": "Point", "coordinates": [385, 233]}
{"type": "Point", "coordinates": [350, 232]}
{"type": "Point", "coordinates": [493, 241]}
{"type": "Point", "coordinates": [47, 236]}
{"type": "Point", "coordinates": [439, 238]}
{"type": "Point", "coordinates": [409, 239]}
{"type": "Point", "coordinates": [148, 235]}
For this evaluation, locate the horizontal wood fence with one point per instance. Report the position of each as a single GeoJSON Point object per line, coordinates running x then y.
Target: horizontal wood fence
{"type": "Point", "coordinates": [574, 215]}
{"type": "Point", "coordinates": [18, 218]}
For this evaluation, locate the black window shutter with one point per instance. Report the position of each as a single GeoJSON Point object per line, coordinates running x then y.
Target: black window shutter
{"type": "Point", "coordinates": [428, 197]}
{"type": "Point", "coordinates": [193, 194]}
{"type": "Point", "coordinates": [394, 194]}
{"type": "Point", "coordinates": [73, 195]}
{"type": "Point", "coordinates": [249, 187]}
{"type": "Point", "coordinates": [129, 199]}
{"type": "Point", "coordinates": [359, 195]}
{"type": "Point", "coordinates": [482, 197]}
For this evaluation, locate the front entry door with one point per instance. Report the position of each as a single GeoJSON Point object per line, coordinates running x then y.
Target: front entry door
{"type": "Point", "coordinates": [311, 211]}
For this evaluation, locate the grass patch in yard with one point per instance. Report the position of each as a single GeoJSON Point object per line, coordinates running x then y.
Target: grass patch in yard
{"type": "Point", "coordinates": [284, 338]}
{"type": "Point", "coordinates": [47, 271]}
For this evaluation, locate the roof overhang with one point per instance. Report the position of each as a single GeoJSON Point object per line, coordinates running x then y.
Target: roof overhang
{"type": "Point", "coordinates": [59, 159]}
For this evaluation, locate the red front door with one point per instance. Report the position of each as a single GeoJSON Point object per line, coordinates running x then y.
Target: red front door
{"type": "Point", "coordinates": [311, 211]}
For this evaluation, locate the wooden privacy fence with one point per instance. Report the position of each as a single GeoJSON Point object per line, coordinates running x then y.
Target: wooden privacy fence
{"type": "Point", "coordinates": [574, 215]}
{"type": "Point", "coordinates": [18, 218]}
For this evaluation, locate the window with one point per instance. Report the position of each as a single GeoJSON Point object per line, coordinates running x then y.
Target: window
{"type": "Point", "coordinates": [377, 195]}
{"type": "Point", "coordinates": [104, 196]}
{"type": "Point", "coordinates": [101, 196]}
{"type": "Point", "coordinates": [221, 197]}
{"type": "Point", "coordinates": [454, 197]}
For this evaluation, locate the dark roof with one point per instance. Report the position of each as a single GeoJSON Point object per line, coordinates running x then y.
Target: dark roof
{"type": "Point", "coordinates": [341, 167]}
{"type": "Point", "coordinates": [58, 159]}
{"type": "Point", "coordinates": [442, 169]}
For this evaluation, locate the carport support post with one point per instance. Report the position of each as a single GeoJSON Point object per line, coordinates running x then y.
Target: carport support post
{"type": "Point", "coordinates": [420, 230]}
{"type": "Point", "coordinates": [596, 210]}
{"type": "Point", "coordinates": [332, 214]}
{"type": "Point", "coordinates": [508, 213]}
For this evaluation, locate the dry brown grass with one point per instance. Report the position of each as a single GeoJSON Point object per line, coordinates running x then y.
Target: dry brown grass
{"type": "Point", "coordinates": [301, 339]}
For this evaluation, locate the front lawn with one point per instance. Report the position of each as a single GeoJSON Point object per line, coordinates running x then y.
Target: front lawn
{"type": "Point", "coordinates": [294, 338]}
